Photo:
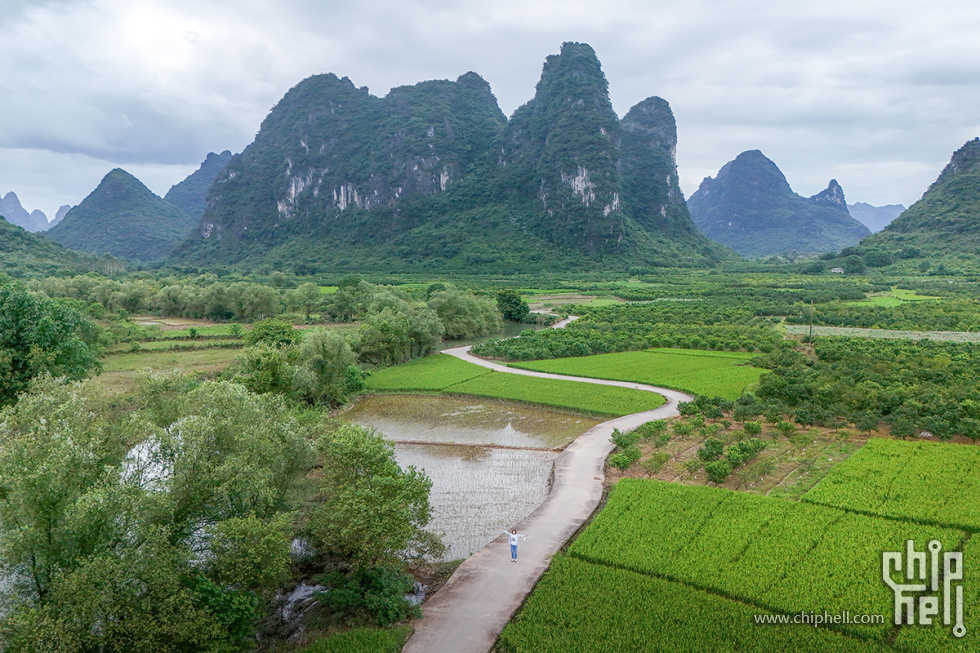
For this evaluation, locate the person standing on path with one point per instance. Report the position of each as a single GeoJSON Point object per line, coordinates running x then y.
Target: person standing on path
{"type": "Point", "coordinates": [514, 538]}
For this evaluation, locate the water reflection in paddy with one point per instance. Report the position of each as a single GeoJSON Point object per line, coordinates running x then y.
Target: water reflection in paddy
{"type": "Point", "coordinates": [477, 491]}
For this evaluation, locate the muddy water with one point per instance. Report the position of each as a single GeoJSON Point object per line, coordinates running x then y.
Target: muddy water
{"type": "Point", "coordinates": [477, 490]}
{"type": "Point", "coordinates": [509, 330]}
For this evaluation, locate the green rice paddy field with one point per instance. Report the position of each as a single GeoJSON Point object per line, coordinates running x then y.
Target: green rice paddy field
{"type": "Point", "coordinates": [711, 373]}
{"type": "Point", "coordinates": [444, 373]}
{"type": "Point", "coordinates": [672, 567]}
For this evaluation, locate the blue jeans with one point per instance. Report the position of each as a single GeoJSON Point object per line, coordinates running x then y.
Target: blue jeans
{"type": "Point", "coordinates": [513, 552]}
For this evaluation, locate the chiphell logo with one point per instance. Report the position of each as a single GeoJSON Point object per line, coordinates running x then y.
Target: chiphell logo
{"type": "Point", "coordinates": [922, 574]}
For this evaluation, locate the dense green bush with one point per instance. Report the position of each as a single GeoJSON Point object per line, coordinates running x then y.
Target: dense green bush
{"type": "Point", "coordinates": [368, 595]}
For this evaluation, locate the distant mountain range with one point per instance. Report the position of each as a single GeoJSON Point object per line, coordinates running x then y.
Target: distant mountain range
{"type": "Point", "coordinates": [874, 218]}
{"type": "Point", "coordinates": [12, 210]}
{"type": "Point", "coordinates": [434, 177]}
{"type": "Point", "coordinates": [947, 218]}
{"type": "Point", "coordinates": [751, 208]}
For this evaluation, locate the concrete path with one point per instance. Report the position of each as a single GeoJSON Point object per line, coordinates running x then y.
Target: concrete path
{"type": "Point", "coordinates": [467, 614]}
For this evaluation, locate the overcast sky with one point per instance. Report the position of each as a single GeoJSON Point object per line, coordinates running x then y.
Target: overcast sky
{"type": "Point", "coordinates": [875, 93]}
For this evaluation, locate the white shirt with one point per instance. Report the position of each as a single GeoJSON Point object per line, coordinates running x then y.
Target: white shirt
{"type": "Point", "coordinates": [514, 537]}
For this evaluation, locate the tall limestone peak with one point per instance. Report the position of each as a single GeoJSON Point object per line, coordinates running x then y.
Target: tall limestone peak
{"type": "Point", "coordinates": [433, 176]}
{"type": "Point", "coordinates": [62, 212]}
{"type": "Point", "coordinates": [564, 146]}
{"type": "Point", "coordinates": [190, 195]}
{"type": "Point", "coordinates": [947, 218]}
{"type": "Point", "coordinates": [122, 217]}
{"type": "Point", "coordinates": [329, 146]}
{"type": "Point", "coordinates": [651, 184]}
{"type": "Point", "coordinates": [751, 208]}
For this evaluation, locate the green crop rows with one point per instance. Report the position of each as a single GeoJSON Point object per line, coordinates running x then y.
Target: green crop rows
{"type": "Point", "coordinates": [427, 373]}
{"type": "Point", "coordinates": [444, 373]}
{"type": "Point", "coordinates": [361, 640]}
{"type": "Point", "coordinates": [642, 613]}
{"type": "Point", "coordinates": [781, 556]}
{"type": "Point", "coordinates": [927, 482]}
{"type": "Point", "coordinates": [723, 374]}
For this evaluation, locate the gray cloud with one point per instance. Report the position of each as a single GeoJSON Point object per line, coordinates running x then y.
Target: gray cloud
{"type": "Point", "coordinates": [877, 94]}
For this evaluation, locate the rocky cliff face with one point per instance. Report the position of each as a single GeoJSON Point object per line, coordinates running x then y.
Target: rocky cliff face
{"type": "Point", "coordinates": [329, 146]}
{"type": "Point", "coordinates": [434, 176]}
{"type": "Point", "coordinates": [947, 218]}
{"type": "Point", "coordinates": [833, 196]}
{"type": "Point", "coordinates": [564, 146]}
{"type": "Point", "coordinates": [649, 170]}
{"type": "Point", "coordinates": [751, 208]}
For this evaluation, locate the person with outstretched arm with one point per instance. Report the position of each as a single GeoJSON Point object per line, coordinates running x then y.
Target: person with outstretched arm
{"type": "Point", "coordinates": [514, 538]}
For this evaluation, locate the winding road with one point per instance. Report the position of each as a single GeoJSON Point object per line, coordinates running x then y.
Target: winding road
{"type": "Point", "coordinates": [468, 613]}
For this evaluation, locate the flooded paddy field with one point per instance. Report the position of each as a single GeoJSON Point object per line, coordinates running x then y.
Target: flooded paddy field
{"type": "Point", "coordinates": [490, 461]}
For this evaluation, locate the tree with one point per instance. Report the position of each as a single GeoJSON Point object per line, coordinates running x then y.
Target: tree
{"type": "Point", "coordinates": [384, 338]}
{"type": "Point", "coordinates": [511, 306]}
{"type": "Point", "coordinates": [853, 264]}
{"type": "Point", "coordinates": [718, 470]}
{"type": "Point", "coordinates": [38, 336]}
{"type": "Point", "coordinates": [368, 510]}
{"type": "Point", "coordinates": [328, 367]}
{"type": "Point", "coordinates": [272, 332]}
{"type": "Point", "coordinates": [425, 330]}
{"type": "Point", "coordinates": [463, 314]}
{"type": "Point", "coordinates": [306, 298]}
{"type": "Point", "coordinates": [116, 547]}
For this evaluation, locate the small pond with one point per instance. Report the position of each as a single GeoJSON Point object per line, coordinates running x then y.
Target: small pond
{"type": "Point", "coordinates": [490, 461]}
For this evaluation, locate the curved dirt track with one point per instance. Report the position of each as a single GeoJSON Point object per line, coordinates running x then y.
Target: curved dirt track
{"type": "Point", "coordinates": [467, 614]}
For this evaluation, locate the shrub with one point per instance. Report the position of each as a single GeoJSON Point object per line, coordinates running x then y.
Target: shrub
{"type": "Point", "coordinates": [712, 449]}
{"type": "Point", "coordinates": [656, 462]}
{"type": "Point", "coordinates": [718, 471]}
{"type": "Point", "coordinates": [754, 429]}
{"type": "Point", "coordinates": [368, 595]}
{"type": "Point", "coordinates": [625, 458]}
{"type": "Point", "coordinates": [682, 428]}
{"type": "Point", "coordinates": [624, 439]}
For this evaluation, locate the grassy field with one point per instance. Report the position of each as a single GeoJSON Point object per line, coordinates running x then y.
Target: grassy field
{"type": "Point", "coordinates": [926, 482]}
{"type": "Point", "coordinates": [430, 373]}
{"type": "Point", "coordinates": [581, 607]}
{"type": "Point", "coordinates": [711, 373]}
{"type": "Point", "coordinates": [698, 562]}
{"type": "Point", "coordinates": [780, 555]}
{"type": "Point", "coordinates": [362, 640]}
{"type": "Point", "coordinates": [892, 298]}
{"type": "Point", "coordinates": [444, 373]}
{"type": "Point", "coordinates": [119, 371]}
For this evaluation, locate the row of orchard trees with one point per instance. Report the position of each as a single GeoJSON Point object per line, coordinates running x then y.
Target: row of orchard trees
{"type": "Point", "coordinates": [166, 520]}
